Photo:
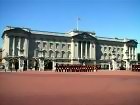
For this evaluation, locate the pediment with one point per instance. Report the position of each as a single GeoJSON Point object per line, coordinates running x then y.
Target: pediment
{"type": "Point", "coordinates": [84, 36]}
{"type": "Point", "coordinates": [132, 43]}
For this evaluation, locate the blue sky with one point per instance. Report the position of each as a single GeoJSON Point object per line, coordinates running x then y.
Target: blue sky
{"type": "Point", "coordinates": [109, 18]}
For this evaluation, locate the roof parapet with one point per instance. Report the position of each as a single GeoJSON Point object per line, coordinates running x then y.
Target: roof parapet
{"type": "Point", "coordinates": [48, 33]}
{"type": "Point", "coordinates": [76, 32]}
{"type": "Point", "coordinates": [11, 27]}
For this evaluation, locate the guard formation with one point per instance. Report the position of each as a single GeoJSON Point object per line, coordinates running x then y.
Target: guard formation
{"type": "Point", "coordinates": [76, 68]}
{"type": "Point", "coordinates": [136, 68]}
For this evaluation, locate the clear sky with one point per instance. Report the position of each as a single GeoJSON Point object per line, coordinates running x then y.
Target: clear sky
{"type": "Point", "coordinates": [109, 18]}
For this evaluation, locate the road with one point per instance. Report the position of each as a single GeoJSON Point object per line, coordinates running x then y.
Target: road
{"type": "Point", "coordinates": [51, 88]}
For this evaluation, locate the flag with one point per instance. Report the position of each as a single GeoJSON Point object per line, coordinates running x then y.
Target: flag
{"type": "Point", "coordinates": [78, 18]}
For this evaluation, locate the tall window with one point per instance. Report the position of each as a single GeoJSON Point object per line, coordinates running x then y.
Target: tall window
{"type": "Point", "coordinates": [105, 56]}
{"type": "Point", "coordinates": [44, 44]}
{"type": "Point", "coordinates": [118, 56]}
{"type": "Point", "coordinates": [68, 46]}
{"type": "Point", "coordinates": [63, 45]}
{"type": "Point", "coordinates": [109, 57]}
{"type": "Point", "coordinates": [121, 49]}
{"type": "Point", "coordinates": [105, 48]}
{"type": "Point", "coordinates": [51, 54]}
{"type": "Point", "coordinates": [22, 43]}
{"type": "Point", "coordinates": [11, 46]}
{"type": "Point", "coordinates": [114, 49]}
{"type": "Point", "coordinates": [109, 48]}
{"type": "Point", "coordinates": [69, 54]}
{"type": "Point", "coordinates": [51, 45]}
{"type": "Point", "coordinates": [57, 54]}
{"type": "Point", "coordinates": [63, 54]}
{"type": "Point", "coordinates": [57, 45]}
{"type": "Point", "coordinates": [44, 53]}
{"type": "Point", "coordinates": [122, 56]}
{"type": "Point", "coordinates": [118, 49]}
{"type": "Point", "coordinates": [38, 45]}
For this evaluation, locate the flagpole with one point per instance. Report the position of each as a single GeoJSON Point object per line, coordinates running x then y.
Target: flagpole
{"type": "Point", "coordinates": [77, 23]}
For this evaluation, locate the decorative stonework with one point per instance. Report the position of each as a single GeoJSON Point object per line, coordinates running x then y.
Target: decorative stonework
{"type": "Point", "coordinates": [78, 46]}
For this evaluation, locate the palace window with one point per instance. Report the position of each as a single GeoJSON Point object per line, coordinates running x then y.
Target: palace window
{"type": "Point", "coordinates": [69, 54]}
{"type": "Point", "coordinates": [56, 54]}
{"type": "Point", "coordinates": [44, 44]}
{"type": "Point", "coordinates": [122, 56]}
{"type": "Point", "coordinates": [118, 56]}
{"type": "Point", "coordinates": [57, 45]}
{"type": "Point", "coordinates": [44, 53]}
{"type": "Point", "coordinates": [51, 54]}
{"type": "Point", "coordinates": [63, 54]}
{"type": "Point", "coordinates": [63, 45]}
{"type": "Point", "coordinates": [51, 45]}
{"type": "Point", "coordinates": [114, 49]}
{"type": "Point", "coordinates": [22, 43]}
{"type": "Point", "coordinates": [109, 57]}
{"type": "Point", "coordinates": [109, 48]}
{"type": "Point", "coordinates": [105, 56]}
{"type": "Point", "coordinates": [121, 49]}
{"type": "Point", "coordinates": [105, 48]}
{"type": "Point", "coordinates": [118, 49]}
{"type": "Point", "coordinates": [68, 46]}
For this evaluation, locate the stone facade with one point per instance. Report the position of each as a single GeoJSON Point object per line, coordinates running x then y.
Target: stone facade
{"type": "Point", "coordinates": [41, 50]}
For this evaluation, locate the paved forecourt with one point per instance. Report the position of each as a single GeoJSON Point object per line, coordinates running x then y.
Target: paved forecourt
{"type": "Point", "coordinates": [70, 88]}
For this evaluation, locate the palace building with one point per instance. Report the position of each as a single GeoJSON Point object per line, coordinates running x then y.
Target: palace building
{"type": "Point", "coordinates": [24, 49]}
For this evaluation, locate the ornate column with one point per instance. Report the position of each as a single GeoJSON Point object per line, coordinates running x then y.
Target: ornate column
{"type": "Point", "coordinates": [19, 46]}
{"type": "Point", "coordinates": [41, 64]}
{"type": "Point", "coordinates": [27, 63]}
{"type": "Point", "coordinates": [25, 47]}
{"type": "Point", "coordinates": [129, 52]}
{"type": "Point", "coordinates": [90, 48]}
{"type": "Point", "coordinates": [6, 64]}
{"type": "Point", "coordinates": [41, 61]}
{"type": "Point", "coordinates": [109, 65]}
{"type": "Point", "coordinates": [86, 49]}
{"type": "Point", "coordinates": [13, 66]}
{"type": "Point", "coordinates": [72, 51]}
{"type": "Point", "coordinates": [81, 50]}
{"type": "Point", "coordinates": [132, 53]}
{"type": "Point", "coordinates": [13, 46]}
{"type": "Point", "coordinates": [54, 65]}
{"type": "Point", "coordinates": [94, 51]}
{"type": "Point", "coordinates": [136, 58]}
